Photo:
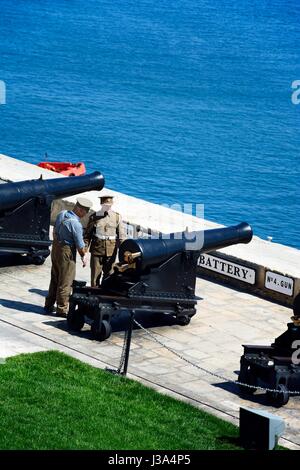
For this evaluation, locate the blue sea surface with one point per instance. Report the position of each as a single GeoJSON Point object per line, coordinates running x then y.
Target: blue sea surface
{"type": "Point", "coordinates": [185, 101]}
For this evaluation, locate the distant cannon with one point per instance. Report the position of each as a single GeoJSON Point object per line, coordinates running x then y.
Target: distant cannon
{"type": "Point", "coordinates": [152, 276]}
{"type": "Point", "coordinates": [25, 210]}
{"type": "Point", "coordinates": [275, 366]}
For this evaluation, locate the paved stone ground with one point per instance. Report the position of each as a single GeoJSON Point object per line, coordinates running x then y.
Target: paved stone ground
{"type": "Point", "coordinates": [225, 320]}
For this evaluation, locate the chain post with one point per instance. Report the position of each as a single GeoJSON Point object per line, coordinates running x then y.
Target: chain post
{"type": "Point", "coordinates": [128, 342]}
{"type": "Point", "coordinates": [125, 349]}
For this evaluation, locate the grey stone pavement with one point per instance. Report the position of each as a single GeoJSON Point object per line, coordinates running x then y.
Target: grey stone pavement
{"type": "Point", "coordinates": [225, 320]}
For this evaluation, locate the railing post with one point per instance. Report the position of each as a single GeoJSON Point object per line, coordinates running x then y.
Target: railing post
{"type": "Point", "coordinates": [128, 343]}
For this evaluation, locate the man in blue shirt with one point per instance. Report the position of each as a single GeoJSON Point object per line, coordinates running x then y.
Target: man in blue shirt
{"type": "Point", "coordinates": [67, 240]}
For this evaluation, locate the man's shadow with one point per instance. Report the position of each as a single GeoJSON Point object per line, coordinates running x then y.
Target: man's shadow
{"type": "Point", "coordinates": [25, 306]}
{"type": "Point", "coordinates": [41, 292]}
{"type": "Point", "coordinates": [22, 306]}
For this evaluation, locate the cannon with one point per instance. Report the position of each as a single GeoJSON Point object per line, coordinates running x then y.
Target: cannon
{"type": "Point", "coordinates": [152, 276]}
{"type": "Point", "coordinates": [275, 367]}
{"type": "Point", "coordinates": [25, 209]}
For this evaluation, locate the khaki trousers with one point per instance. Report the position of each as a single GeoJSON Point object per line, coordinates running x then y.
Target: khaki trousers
{"type": "Point", "coordinates": [63, 270]}
{"type": "Point", "coordinates": [99, 265]}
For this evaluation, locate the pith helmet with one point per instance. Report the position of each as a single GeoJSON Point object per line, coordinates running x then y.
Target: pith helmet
{"type": "Point", "coordinates": [106, 198]}
{"type": "Point", "coordinates": [85, 203]}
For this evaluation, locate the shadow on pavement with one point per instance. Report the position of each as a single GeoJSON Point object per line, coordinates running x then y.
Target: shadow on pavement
{"type": "Point", "coordinates": [41, 292]}
{"type": "Point", "coordinates": [61, 324]}
{"type": "Point", "coordinates": [22, 306]}
{"type": "Point", "coordinates": [258, 397]}
{"type": "Point", "coordinates": [152, 320]}
{"type": "Point", "coordinates": [13, 259]}
{"type": "Point", "coordinates": [119, 323]}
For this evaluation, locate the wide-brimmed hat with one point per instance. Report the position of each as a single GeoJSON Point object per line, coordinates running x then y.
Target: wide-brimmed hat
{"type": "Point", "coordinates": [84, 202]}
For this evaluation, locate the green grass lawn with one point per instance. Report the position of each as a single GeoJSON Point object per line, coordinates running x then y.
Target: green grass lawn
{"type": "Point", "coordinates": [49, 400]}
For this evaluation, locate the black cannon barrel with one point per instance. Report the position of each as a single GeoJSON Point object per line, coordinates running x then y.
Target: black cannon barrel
{"type": "Point", "coordinates": [222, 237]}
{"type": "Point", "coordinates": [155, 251]}
{"type": "Point", "coordinates": [14, 194]}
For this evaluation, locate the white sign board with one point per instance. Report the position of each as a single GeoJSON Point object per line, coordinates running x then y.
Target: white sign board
{"type": "Point", "coordinates": [222, 266]}
{"type": "Point", "coordinates": [279, 283]}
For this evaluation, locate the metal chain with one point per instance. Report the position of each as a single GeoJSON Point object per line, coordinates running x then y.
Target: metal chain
{"type": "Point", "coordinates": [218, 376]}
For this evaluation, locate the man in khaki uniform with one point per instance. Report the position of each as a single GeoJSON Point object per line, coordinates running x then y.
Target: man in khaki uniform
{"type": "Point", "coordinates": [103, 235]}
{"type": "Point", "coordinates": [67, 239]}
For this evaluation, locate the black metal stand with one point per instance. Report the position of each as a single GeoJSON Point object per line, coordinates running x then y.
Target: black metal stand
{"type": "Point", "coordinates": [128, 343]}
{"type": "Point", "coordinates": [122, 369]}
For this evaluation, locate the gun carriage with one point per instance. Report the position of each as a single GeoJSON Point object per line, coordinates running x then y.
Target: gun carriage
{"type": "Point", "coordinates": [276, 367]}
{"type": "Point", "coordinates": [153, 275]}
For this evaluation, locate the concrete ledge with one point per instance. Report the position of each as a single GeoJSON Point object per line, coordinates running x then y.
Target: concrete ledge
{"type": "Point", "coordinates": [265, 268]}
{"type": "Point", "coordinates": [261, 275]}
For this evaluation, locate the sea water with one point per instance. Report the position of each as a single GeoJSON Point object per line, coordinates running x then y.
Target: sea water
{"type": "Point", "coordinates": [186, 101]}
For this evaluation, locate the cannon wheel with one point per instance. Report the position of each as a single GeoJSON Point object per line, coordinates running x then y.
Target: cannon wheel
{"type": "Point", "coordinates": [279, 398]}
{"type": "Point", "coordinates": [183, 320]}
{"type": "Point", "coordinates": [247, 376]}
{"type": "Point", "coordinates": [101, 332]}
{"type": "Point", "coordinates": [75, 319]}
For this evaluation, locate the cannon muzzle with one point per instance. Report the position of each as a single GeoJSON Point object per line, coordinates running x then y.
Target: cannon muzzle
{"type": "Point", "coordinates": [221, 237]}
{"type": "Point", "coordinates": [151, 252]}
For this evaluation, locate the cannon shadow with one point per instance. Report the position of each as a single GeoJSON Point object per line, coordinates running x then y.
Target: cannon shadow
{"type": "Point", "coordinates": [119, 323]}
{"type": "Point", "coordinates": [8, 260]}
{"type": "Point", "coordinates": [259, 398]}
